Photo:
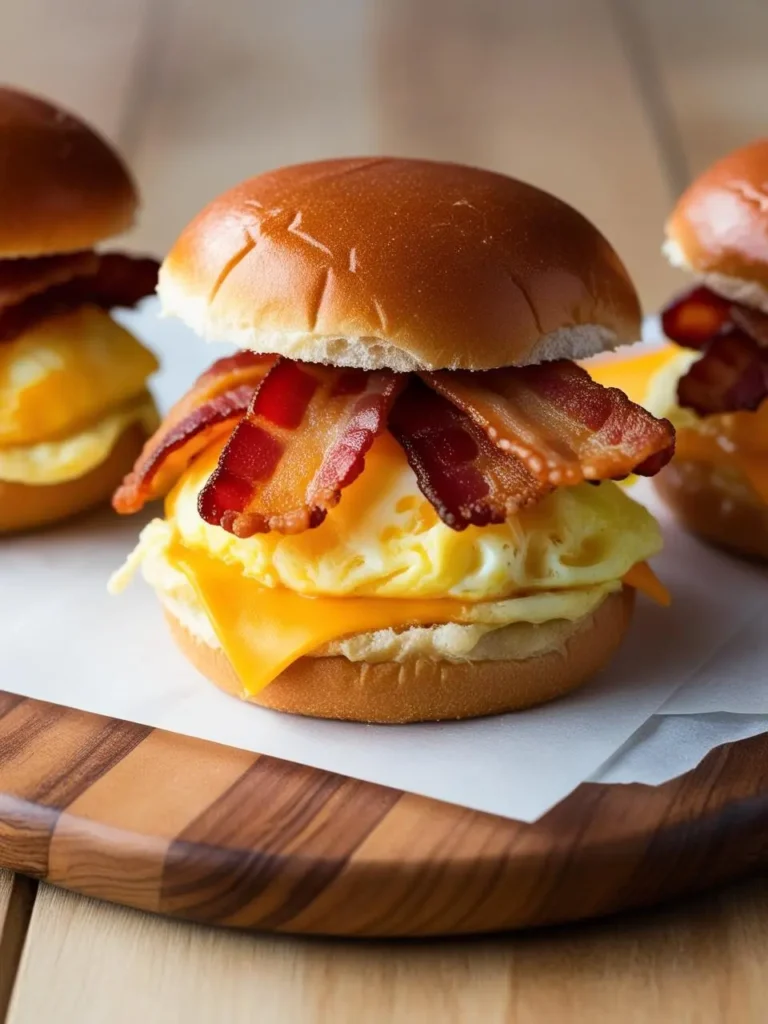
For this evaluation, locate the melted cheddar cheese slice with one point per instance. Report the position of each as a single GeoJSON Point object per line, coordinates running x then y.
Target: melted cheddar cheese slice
{"type": "Point", "coordinates": [263, 630]}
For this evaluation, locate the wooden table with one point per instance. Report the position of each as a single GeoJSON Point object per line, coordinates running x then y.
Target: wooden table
{"type": "Point", "coordinates": [89, 963]}
{"type": "Point", "coordinates": [612, 104]}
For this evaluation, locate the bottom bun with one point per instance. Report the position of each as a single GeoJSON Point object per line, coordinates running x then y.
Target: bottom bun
{"type": "Point", "coordinates": [25, 506]}
{"type": "Point", "coordinates": [422, 690]}
{"type": "Point", "coordinates": [717, 505]}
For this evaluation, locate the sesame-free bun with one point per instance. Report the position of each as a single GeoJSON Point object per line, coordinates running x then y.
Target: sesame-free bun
{"type": "Point", "coordinates": [719, 228]}
{"type": "Point", "coordinates": [716, 504]}
{"type": "Point", "coordinates": [62, 188]}
{"type": "Point", "coordinates": [27, 506]}
{"type": "Point", "coordinates": [406, 264]}
{"type": "Point", "coordinates": [424, 690]}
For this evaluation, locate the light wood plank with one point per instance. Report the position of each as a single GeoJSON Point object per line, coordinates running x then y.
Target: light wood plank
{"type": "Point", "coordinates": [239, 86]}
{"type": "Point", "coordinates": [703, 962]}
{"type": "Point", "coordinates": [17, 896]}
{"type": "Point", "coordinates": [712, 59]}
{"type": "Point", "coordinates": [541, 89]}
{"type": "Point", "coordinates": [82, 53]}
{"type": "Point", "coordinates": [234, 89]}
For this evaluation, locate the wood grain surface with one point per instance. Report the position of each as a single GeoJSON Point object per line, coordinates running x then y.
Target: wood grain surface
{"type": "Point", "coordinates": [701, 961]}
{"type": "Point", "coordinates": [194, 830]}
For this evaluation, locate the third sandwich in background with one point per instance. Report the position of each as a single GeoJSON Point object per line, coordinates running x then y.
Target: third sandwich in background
{"type": "Point", "coordinates": [714, 388]}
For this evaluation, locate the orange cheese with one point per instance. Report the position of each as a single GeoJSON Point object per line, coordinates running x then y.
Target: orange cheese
{"type": "Point", "coordinates": [264, 630]}
{"type": "Point", "coordinates": [642, 577]}
{"type": "Point", "coordinates": [631, 374]}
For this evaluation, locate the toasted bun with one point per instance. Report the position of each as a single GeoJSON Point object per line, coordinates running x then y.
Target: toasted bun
{"type": "Point", "coordinates": [24, 506]}
{"type": "Point", "coordinates": [720, 507]}
{"type": "Point", "coordinates": [62, 188]}
{"type": "Point", "coordinates": [719, 228]}
{"type": "Point", "coordinates": [405, 264]}
{"type": "Point", "coordinates": [423, 690]}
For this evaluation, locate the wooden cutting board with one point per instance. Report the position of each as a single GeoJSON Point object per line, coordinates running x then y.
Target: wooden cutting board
{"type": "Point", "coordinates": [200, 831]}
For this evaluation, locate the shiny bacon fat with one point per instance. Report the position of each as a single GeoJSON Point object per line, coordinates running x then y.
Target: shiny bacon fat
{"type": "Point", "coordinates": [560, 423]}
{"type": "Point", "coordinates": [467, 479]}
{"type": "Point", "coordinates": [303, 439]}
{"type": "Point", "coordinates": [217, 401]}
{"type": "Point", "coordinates": [732, 373]}
{"type": "Point", "coordinates": [482, 446]}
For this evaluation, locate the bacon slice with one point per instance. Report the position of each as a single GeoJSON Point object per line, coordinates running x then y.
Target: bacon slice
{"type": "Point", "coordinates": [116, 280]}
{"type": "Point", "coordinates": [732, 373]}
{"type": "Point", "coordinates": [700, 315]}
{"type": "Point", "coordinates": [210, 409]}
{"type": "Point", "coordinates": [564, 426]}
{"type": "Point", "coordinates": [753, 322]}
{"type": "Point", "coordinates": [303, 440]}
{"type": "Point", "coordinates": [465, 477]}
{"type": "Point", "coordinates": [695, 317]}
{"type": "Point", "coordinates": [731, 376]}
{"type": "Point", "coordinates": [21, 278]}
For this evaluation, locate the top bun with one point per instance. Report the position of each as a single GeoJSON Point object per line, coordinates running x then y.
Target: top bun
{"type": "Point", "coordinates": [406, 264]}
{"type": "Point", "coordinates": [61, 186]}
{"type": "Point", "coordinates": [719, 228]}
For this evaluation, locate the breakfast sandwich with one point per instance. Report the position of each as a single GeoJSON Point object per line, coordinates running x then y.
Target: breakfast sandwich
{"type": "Point", "coordinates": [74, 407]}
{"type": "Point", "coordinates": [715, 385]}
{"type": "Point", "coordinates": [394, 503]}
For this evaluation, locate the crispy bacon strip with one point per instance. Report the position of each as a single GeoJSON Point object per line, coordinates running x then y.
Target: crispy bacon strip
{"type": "Point", "coordinates": [21, 278]}
{"type": "Point", "coordinates": [466, 478]}
{"type": "Point", "coordinates": [700, 315]}
{"type": "Point", "coordinates": [116, 280]}
{"type": "Point", "coordinates": [732, 375]}
{"type": "Point", "coordinates": [564, 426]}
{"type": "Point", "coordinates": [210, 409]}
{"type": "Point", "coordinates": [303, 440]}
{"type": "Point", "coordinates": [732, 372]}
{"type": "Point", "coordinates": [695, 317]}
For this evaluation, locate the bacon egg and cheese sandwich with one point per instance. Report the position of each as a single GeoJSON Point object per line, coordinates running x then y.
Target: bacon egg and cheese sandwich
{"type": "Point", "coordinates": [383, 508]}
{"type": "Point", "coordinates": [74, 406]}
{"type": "Point", "coordinates": [714, 386]}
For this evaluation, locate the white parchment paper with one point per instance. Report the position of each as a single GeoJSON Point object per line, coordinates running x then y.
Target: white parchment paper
{"type": "Point", "coordinates": [63, 639]}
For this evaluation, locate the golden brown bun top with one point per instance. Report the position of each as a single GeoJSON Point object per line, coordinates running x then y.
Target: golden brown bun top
{"type": "Point", "coordinates": [402, 263]}
{"type": "Point", "coordinates": [62, 188]}
{"type": "Point", "coordinates": [720, 224]}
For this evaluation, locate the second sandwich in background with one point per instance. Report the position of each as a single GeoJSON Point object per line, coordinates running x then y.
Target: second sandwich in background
{"type": "Point", "coordinates": [714, 389]}
{"type": "Point", "coordinates": [74, 405]}
{"type": "Point", "coordinates": [382, 509]}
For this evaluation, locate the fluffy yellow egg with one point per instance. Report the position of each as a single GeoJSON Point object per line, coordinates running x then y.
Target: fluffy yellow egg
{"type": "Point", "coordinates": [65, 372]}
{"type": "Point", "coordinates": [74, 455]}
{"type": "Point", "coordinates": [385, 540]}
